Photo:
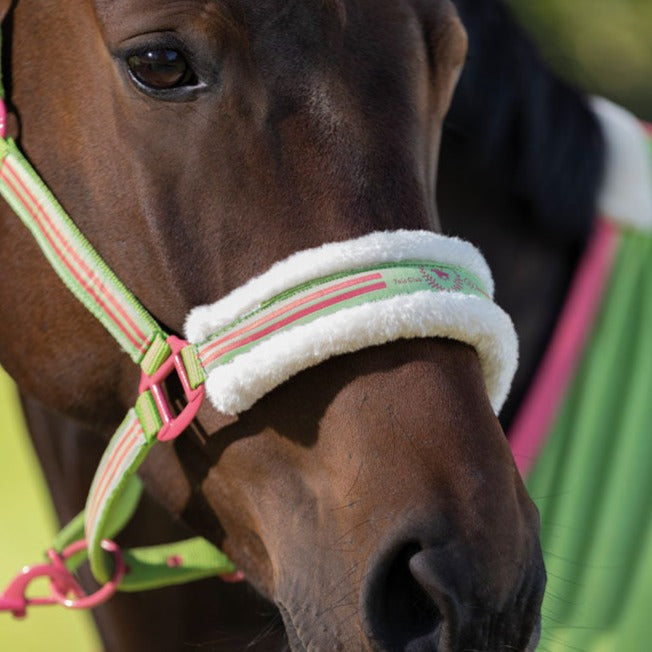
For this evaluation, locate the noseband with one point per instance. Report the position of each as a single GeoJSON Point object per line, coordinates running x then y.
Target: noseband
{"type": "Point", "coordinates": [318, 303]}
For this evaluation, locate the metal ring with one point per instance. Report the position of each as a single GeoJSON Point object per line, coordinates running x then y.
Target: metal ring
{"type": "Point", "coordinates": [106, 591]}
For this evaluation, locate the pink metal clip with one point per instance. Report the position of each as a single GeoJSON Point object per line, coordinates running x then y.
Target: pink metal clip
{"type": "Point", "coordinates": [3, 119]}
{"type": "Point", "coordinates": [62, 582]}
{"type": "Point", "coordinates": [173, 425]}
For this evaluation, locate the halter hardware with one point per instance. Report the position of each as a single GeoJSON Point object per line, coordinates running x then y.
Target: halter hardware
{"type": "Point", "coordinates": [171, 425]}
{"type": "Point", "coordinates": [62, 582]}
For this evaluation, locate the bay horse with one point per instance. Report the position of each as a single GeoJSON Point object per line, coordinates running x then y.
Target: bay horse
{"type": "Point", "coordinates": [556, 190]}
{"type": "Point", "coordinates": [370, 501]}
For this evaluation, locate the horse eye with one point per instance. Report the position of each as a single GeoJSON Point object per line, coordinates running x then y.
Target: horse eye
{"type": "Point", "coordinates": [161, 69]}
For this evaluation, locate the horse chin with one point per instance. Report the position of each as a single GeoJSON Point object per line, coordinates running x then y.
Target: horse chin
{"type": "Point", "coordinates": [309, 628]}
{"type": "Point", "coordinates": [294, 640]}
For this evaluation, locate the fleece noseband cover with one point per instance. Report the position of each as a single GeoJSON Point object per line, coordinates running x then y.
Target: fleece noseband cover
{"type": "Point", "coordinates": [454, 300]}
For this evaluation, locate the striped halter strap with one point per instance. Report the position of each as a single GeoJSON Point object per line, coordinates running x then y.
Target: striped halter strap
{"type": "Point", "coordinates": [368, 291]}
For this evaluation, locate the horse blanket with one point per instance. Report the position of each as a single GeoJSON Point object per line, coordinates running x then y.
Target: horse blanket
{"type": "Point", "coordinates": [583, 438]}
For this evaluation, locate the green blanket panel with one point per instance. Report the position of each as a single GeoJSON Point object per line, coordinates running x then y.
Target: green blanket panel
{"type": "Point", "coordinates": [593, 481]}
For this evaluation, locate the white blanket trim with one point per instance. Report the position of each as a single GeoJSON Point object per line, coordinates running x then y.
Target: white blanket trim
{"type": "Point", "coordinates": [626, 193]}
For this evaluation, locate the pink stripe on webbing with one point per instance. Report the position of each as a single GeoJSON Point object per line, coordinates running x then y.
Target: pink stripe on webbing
{"type": "Point", "coordinates": [648, 127]}
{"type": "Point", "coordinates": [39, 215]}
{"type": "Point", "coordinates": [294, 317]}
{"type": "Point", "coordinates": [291, 306]}
{"type": "Point", "coordinates": [540, 407]}
{"type": "Point", "coordinates": [124, 447]}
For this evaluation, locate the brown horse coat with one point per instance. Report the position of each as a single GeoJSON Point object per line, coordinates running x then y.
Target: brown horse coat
{"type": "Point", "coordinates": [372, 499]}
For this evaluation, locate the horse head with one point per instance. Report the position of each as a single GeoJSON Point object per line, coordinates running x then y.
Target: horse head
{"type": "Point", "coordinates": [373, 497]}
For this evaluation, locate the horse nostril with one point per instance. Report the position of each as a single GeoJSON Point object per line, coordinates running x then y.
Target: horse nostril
{"type": "Point", "coordinates": [432, 598]}
{"type": "Point", "coordinates": [437, 571]}
{"type": "Point", "coordinates": [399, 611]}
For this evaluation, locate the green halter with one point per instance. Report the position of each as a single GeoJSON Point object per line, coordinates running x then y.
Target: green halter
{"type": "Point", "coordinates": [116, 489]}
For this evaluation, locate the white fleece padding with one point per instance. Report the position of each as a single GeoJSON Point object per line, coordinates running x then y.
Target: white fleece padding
{"type": "Point", "coordinates": [237, 385]}
{"type": "Point", "coordinates": [626, 193]}
{"type": "Point", "coordinates": [331, 258]}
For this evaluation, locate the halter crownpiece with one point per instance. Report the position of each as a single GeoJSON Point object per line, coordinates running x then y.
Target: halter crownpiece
{"type": "Point", "coordinates": [318, 303]}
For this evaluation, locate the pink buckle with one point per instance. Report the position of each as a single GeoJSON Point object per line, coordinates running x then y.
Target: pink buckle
{"type": "Point", "coordinates": [173, 425]}
{"type": "Point", "coordinates": [62, 582]}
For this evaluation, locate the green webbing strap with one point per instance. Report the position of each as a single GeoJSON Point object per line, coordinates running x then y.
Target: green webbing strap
{"type": "Point", "coordinates": [87, 276]}
{"type": "Point", "coordinates": [74, 259]}
{"type": "Point", "coordinates": [152, 566]}
{"type": "Point", "coordinates": [111, 502]}
{"type": "Point", "coordinates": [125, 453]}
{"type": "Point", "coordinates": [74, 530]}
{"type": "Point", "coordinates": [173, 563]}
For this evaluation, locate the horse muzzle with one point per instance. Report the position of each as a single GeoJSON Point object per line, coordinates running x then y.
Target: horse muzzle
{"type": "Point", "coordinates": [426, 599]}
{"type": "Point", "coordinates": [424, 537]}
{"type": "Point", "coordinates": [445, 597]}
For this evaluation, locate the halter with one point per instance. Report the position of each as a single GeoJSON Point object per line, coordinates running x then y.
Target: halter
{"type": "Point", "coordinates": [321, 302]}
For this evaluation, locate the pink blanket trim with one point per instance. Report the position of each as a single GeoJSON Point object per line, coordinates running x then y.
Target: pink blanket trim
{"type": "Point", "coordinates": [543, 400]}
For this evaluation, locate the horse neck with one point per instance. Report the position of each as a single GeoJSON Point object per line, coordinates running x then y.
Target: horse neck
{"type": "Point", "coordinates": [522, 158]}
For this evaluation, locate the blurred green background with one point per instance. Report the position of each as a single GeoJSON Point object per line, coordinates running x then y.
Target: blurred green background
{"type": "Point", "coordinates": [604, 46]}
{"type": "Point", "coordinates": [27, 528]}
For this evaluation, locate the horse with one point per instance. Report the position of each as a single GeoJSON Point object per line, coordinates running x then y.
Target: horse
{"type": "Point", "coordinates": [371, 501]}
{"type": "Point", "coordinates": [555, 189]}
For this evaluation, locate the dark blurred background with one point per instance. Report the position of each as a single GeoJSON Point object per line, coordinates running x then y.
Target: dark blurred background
{"type": "Point", "coordinates": [603, 46]}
